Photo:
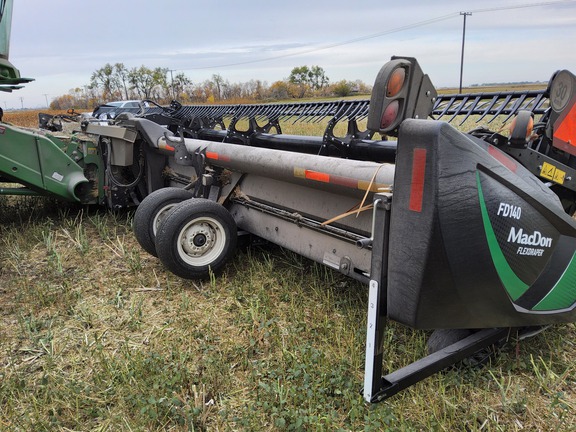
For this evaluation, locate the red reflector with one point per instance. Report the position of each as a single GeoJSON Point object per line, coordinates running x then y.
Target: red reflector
{"type": "Point", "coordinates": [503, 158]}
{"type": "Point", "coordinates": [389, 115]}
{"type": "Point", "coordinates": [417, 186]}
{"type": "Point", "coordinates": [318, 176]}
{"type": "Point", "coordinates": [212, 155]}
{"type": "Point", "coordinates": [395, 82]}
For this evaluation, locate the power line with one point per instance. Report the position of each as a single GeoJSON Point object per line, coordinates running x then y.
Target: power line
{"type": "Point", "coordinates": [524, 6]}
{"type": "Point", "coordinates": [337, 44]}
{"type": "Point", "coordinates": [382, 33]}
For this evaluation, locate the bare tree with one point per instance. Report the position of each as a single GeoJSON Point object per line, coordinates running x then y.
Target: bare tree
{"type": "Point", "coordinates": [103, 78]}
{"type": "Point", "coordinates": [145, 80]}
{"type": "Point", "coordinates": [121, 79]}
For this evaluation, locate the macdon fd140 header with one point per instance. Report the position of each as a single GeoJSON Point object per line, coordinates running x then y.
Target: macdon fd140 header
{"type": "Point", "coordinates": [467, 234]}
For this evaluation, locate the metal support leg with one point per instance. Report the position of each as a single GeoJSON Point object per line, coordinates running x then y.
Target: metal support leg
{"type": "Point", "coordinates": [376, 386]}
{"type": "Point", "coordinates": [376, 320]}
{"type": "Point", "coordinates": [433, 363]}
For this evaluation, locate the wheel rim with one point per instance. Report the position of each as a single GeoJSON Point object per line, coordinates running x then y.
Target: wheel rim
{"type": "Point", "coordinates": [201, 241]}
{"type": "Point", "coordinates": [160, 216]}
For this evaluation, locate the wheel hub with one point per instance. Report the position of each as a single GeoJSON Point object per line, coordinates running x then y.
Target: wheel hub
{"type": "Point", "coordinates": [198, 239]}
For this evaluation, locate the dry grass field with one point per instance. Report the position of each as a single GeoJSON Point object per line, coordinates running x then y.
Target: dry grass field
{"type": "Point", "coordinates": [95, 335]}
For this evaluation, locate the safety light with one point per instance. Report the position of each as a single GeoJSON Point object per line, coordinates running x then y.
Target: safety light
{"type": "Point", "coordinates": [390, 114]}
{"type": "Point", "coordinates": [395, 82]}
{"type": "Point", "coordinates": [400, 91]}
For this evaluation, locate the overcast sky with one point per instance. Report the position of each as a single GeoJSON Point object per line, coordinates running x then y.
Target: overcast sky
{"type": "Point", "coordinates": [61, 42]}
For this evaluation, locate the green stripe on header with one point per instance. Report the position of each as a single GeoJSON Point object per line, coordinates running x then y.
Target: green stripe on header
{"type": "Point", "coordinates": [563, 293]}
{"type": "Point", "coordinates": [514, 286]}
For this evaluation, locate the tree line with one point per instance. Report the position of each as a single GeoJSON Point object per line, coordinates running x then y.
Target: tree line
{"type": "Point", "coordinates": [117, 82]}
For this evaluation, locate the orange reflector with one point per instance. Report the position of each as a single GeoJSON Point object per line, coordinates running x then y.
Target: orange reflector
{"type": "Point", "coordinates": [166, 147]}
{"type": "Point", "coordinates": [565, 130]}
{"type": "Point", "coordinates": [212, 155]}
{"type": "Point", "coordinates": [318, 176]}
{"type": "Point", "coordinates": [395, 82]}
{"type": "Point", "coordinates": [389, 115]}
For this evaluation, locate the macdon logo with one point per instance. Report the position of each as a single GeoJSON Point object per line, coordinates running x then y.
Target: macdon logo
{"type": "Point", "coordinates": [534, 239]}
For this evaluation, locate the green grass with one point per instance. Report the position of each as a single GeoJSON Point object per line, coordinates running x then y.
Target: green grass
{"type": "Point", "coordinates": [97, 335]}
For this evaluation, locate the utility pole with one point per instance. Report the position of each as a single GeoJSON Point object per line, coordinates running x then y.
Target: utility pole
{"type": "Point", "coordinates": [46, 96]}
{"type": "Point", "coordinates": [22, 102]}
{"type": "Point", "coordinates": [464, 14]}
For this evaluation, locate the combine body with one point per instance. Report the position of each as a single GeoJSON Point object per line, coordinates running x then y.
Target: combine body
{"type": "Point", "coordinates": [10, 78]}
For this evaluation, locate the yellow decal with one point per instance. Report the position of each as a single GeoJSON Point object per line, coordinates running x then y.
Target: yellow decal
{"type": "Point", "coordinates": [299, 172]}
{"type": "Point", "coordinates": [550, 172]}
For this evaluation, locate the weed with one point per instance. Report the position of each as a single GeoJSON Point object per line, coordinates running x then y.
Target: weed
{"type": "Point", "coordinates": [54, 257]}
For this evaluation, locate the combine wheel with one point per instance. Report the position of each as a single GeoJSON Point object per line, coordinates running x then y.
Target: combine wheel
{"type": "Point", "coordinates": [198, 237]}
{"type": "Point", "coordinates": [151, 213]}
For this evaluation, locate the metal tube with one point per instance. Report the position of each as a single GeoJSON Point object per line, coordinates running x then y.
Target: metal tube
{"type": "Point", "coordinates": [344, 176]}
{"type": "Point", "coordinates": [359, 149]}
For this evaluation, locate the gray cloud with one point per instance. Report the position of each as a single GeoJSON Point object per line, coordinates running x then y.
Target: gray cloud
{"type": "Point", "coordinates": [61, 43]}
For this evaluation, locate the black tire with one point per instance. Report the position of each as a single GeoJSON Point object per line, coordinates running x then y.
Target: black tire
{"type": "Point", "coordinates": [151, 213]}
{"type": "Point", "coordinates": [198, 237]}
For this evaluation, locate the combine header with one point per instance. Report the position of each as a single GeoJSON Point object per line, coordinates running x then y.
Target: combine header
{"type": "Point", "coordinates": [468, 234]}
{"type": "Point", "coordinates": [449, 230]}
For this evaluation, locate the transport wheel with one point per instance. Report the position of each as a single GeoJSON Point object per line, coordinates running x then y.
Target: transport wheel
{"type": "Point", "coordinates": [151, 213]}
{"type": "Point", "coordinates": [198, 237]}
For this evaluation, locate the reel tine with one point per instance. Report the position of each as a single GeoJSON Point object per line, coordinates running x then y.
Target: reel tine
{"type": "Point", "coordinates": [459, 108]}
{"type": "Point", "coordinates": [471, 109]}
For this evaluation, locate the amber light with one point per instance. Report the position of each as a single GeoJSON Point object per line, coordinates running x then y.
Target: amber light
{"type": "Point", "coordinates": [530, 128]}
{"type": "Point", "coordinates": [389, 115]}
{"type": "Point", "coordinates": [395, 82]}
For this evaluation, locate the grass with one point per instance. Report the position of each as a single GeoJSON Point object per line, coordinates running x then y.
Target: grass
{"type": "Point", "coordinates": [96, 335]}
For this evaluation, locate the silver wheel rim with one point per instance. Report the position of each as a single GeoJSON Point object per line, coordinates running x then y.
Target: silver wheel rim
{"type": "Point", "coordinates": [160, 216]}
{"type": "Point", "coordinates": [201, 241]}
